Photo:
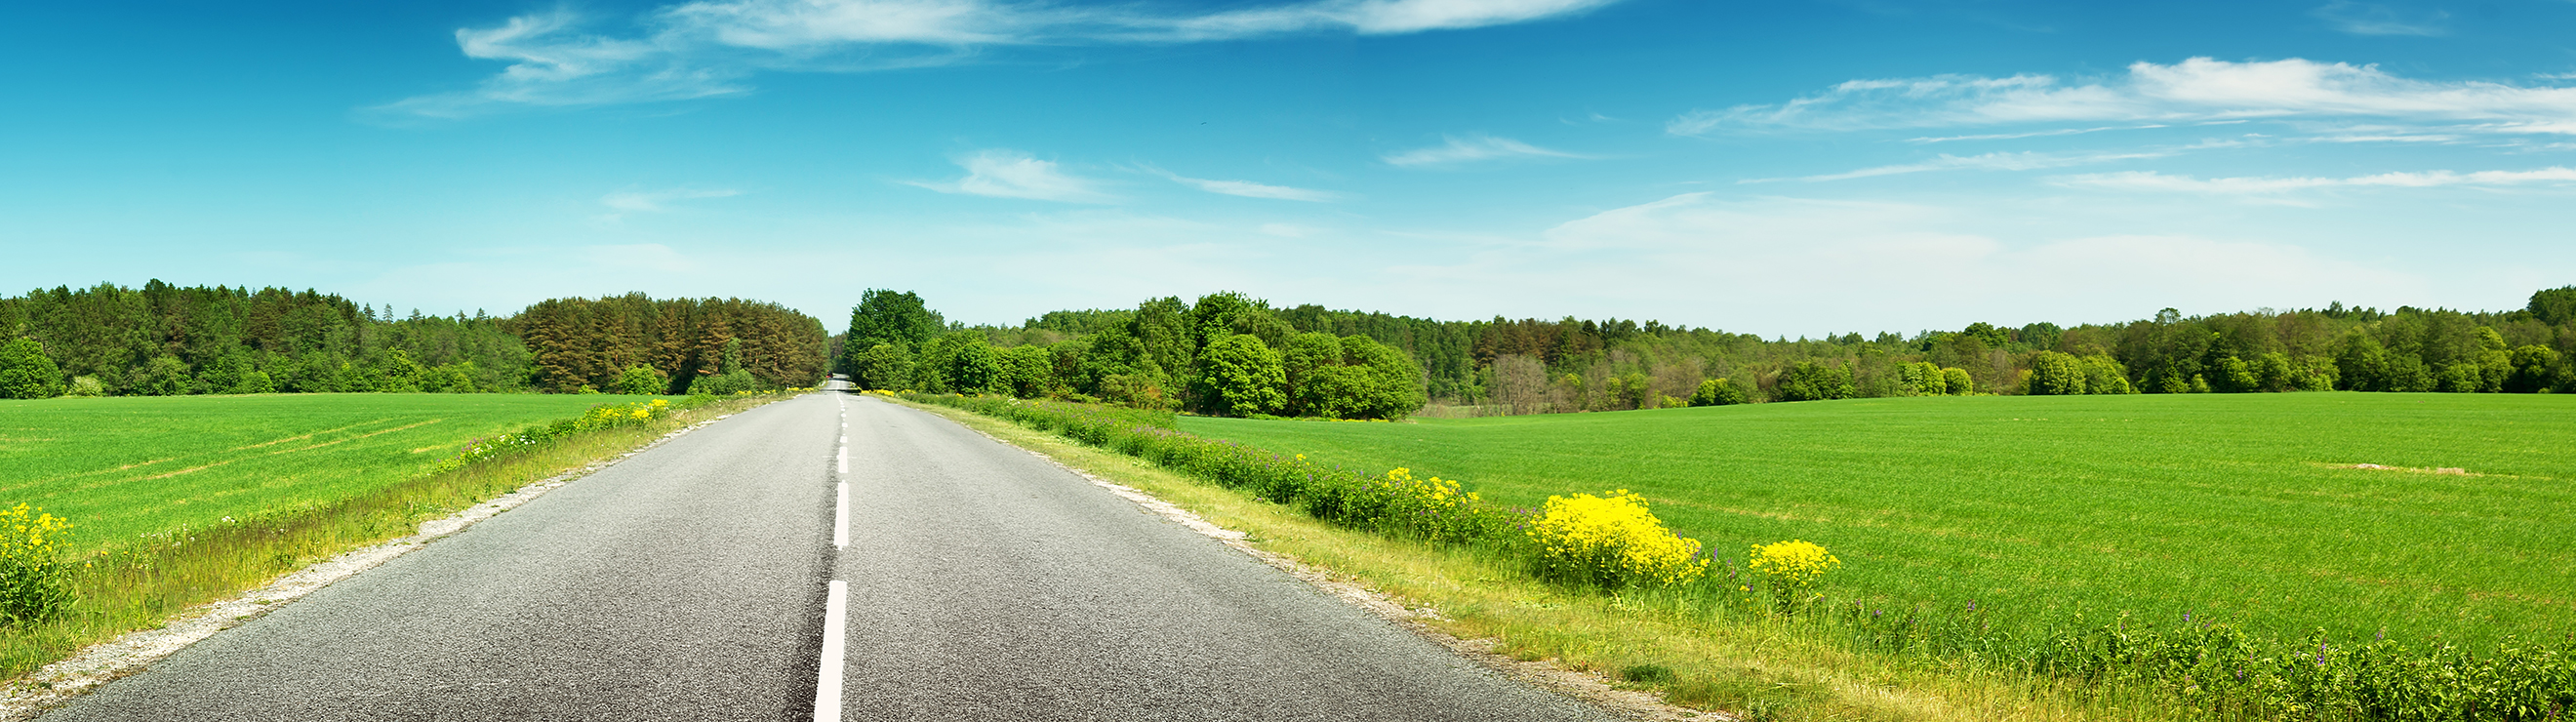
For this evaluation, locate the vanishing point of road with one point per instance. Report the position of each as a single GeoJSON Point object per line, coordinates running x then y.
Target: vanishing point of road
{"type": "Point", "coordinates": [827, 557]}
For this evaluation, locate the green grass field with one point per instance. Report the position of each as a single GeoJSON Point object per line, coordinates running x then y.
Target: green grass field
{"type": "Point", "coordinates": [121, 468]}
{"type": "Point", "coordinates": [2240, 507]}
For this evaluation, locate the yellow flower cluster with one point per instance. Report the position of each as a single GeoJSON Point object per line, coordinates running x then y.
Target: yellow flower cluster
{"type": "Point", "coordinates": [1792, 566]}
{"type": "Point", "coordinates": [1435, 496]}
{"type": "Point", "coordinates": [33, 585]}
{"type": "Point", "coordinates": [1614, 540]}
{"type": "Point", "coordinates": [31, 534]}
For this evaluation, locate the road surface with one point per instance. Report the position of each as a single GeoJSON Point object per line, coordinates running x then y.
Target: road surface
{"type": "Point", "coordinates": [763, 568]}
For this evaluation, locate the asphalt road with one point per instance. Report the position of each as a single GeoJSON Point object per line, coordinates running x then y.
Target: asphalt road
{"type": "Point", "coordinates": [696, 581]}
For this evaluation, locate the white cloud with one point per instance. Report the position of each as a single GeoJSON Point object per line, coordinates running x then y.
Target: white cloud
{"type": "Point", "coordinates": [2198, 89]}
{"type": "Point", "coordinates": [2361, 18]}
{"type": "Point", "coordinates": [709, 47]}
{"type": "Point", "coordinates": [1473, 148]}
{"type": "Point", "coordinates": [2153, 181]}
{"type": "Point", "coordinates": [1248, 189]}
{"type": "Point", "coordinates": [1004, 173]}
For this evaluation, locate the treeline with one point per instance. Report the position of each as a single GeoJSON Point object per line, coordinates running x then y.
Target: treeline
{"type": "Point", "coordinates": [636, 344]}
{"type": "Point", "coordinates": [1225, 354]}
{"type": "Point", "coordinates": [168, 340]}
{"type": "Point", "coordinates": [1152, 356]}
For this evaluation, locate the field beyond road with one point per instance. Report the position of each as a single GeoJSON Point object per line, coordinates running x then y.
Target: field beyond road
{"type": "Point", "coordinates": [124, 467]}
{"type": "Point", "coordinates": [2233, 507]}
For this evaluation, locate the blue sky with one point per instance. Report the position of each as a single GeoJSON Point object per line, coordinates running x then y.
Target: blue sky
{"type": "Point", "coordinates": [1774, 168]}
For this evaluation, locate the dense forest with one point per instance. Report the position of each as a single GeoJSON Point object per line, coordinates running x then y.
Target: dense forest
{"type": "Point", "coordinates": [168, 340]}
{"type": "Point", "coordinates": [1174, 354]}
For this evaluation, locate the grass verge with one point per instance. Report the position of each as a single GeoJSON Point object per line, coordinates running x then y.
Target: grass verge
{"type": "Point", "coordinates": [1753, 669]}
{"type": "Point", "coordinates": [138, 585]}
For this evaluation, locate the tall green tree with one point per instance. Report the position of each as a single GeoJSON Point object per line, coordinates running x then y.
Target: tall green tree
{"type": "Point", "coordinates": [2555, 307]}
{"type": "Point", "coordinates": [886, 316]}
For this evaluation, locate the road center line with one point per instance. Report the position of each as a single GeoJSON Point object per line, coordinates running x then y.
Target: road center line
{"type": "Point", "coordinates": [827, 680]}
{"type": "Point", "coordinates": [842, 455]}
{"type": "Point", "coordinates": [841, 518]}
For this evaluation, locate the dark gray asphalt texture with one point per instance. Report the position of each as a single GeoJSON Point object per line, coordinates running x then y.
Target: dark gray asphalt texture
{"type": "Point", "coordinates": [688, 582]}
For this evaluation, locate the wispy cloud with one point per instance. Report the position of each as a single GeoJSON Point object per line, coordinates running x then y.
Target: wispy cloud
{"type": "Point", "coordinates": [2153, 181]}
{"type": "Point", "coordinates": [1247, 189]}
{"type": "Point", "coordinates": [2034, 134]}
{"type": "Point", "coordinates": [2198, 89]}
{"type": "Point", "coordinates": [1987, 161]}
{"type": "Point", "coordinates": [636, 201]}
{"type": "Point", "coordinates": [2363, 18]}
{"type": "Point", "coordinates": [1473, 148]}
{"type": "Point", "coordinates": [712, 47]}
{"type": "Point", "coordinates": [657, 201]}
{"type": "Point", "coordinates": [1002, 173]}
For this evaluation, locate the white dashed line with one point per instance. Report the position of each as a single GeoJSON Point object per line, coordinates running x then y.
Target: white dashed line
{"type": "Point", "coordinates": [827, 681]}
{"type": "Point", "coordinates": [841, 517]}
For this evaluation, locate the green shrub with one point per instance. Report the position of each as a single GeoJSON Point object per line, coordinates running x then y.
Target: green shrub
{"type": "Point", "coordinates": [738, 381]}
{"type": "Point", "coordinates": [1352, 377]}
{"type": "Point", "coordinates": [1811, 381]}
{"type": "Point", "coordinates": [1717, 392]}
{"type": "Point", "coordinates": [884, 366]}
{"type": "Point", "coordinates": [86, 387]}
{"type": "Point", "coordinates": [458, 378]}
{"type": "Point", "coordinates": [27, 373]}
{"type": "Point", "coordinates": [2105, 375]}
{"type": "Point", "coordinates": [2054, 374]}
{"type": "Point", "coordinates": [637, 380]}
{"type": "Point", "coordinates": [1957, 382]}
{"type": "Point", "coordinates": [1922, 378]}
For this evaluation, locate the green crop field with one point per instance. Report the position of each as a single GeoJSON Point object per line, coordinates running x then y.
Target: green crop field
{"type": "Point", "coordinates": [125, 467]}
{"type": "Point", "coordinates": [2238, 507]}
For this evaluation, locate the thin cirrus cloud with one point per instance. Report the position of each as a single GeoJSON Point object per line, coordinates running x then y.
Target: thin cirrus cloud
{"type": "Point", "coordinates": [1458, 150]}
{"type": "Point", "coordinates": [1248, 189]}
{"type": "Point", "coordinates": [658, 201]}
{"type": "Point", "coordinates": [713, 47]}
{"type": "Point", "coordinates": [1986, 161]}
{"type": "Point", "coordinates": [1002, 173]}
{"type": "Point", "coordinates": [2153, 181]}
{"type": "Point", "coordinates": [2361, 18]}
{"type": "Point", "coordinates": [622, 203]}
{"type": "Point", "coordinates": [2198, 89]}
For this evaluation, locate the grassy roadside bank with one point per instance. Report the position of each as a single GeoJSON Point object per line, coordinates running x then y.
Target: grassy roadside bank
{"type": "Point", "coordinates": [138, 584]}
{"type": "Point", "coordinates": [1761, 670]}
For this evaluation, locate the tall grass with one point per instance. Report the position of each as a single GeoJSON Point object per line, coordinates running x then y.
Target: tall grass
{"type": "Point", "coordinates": [136, 584]}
